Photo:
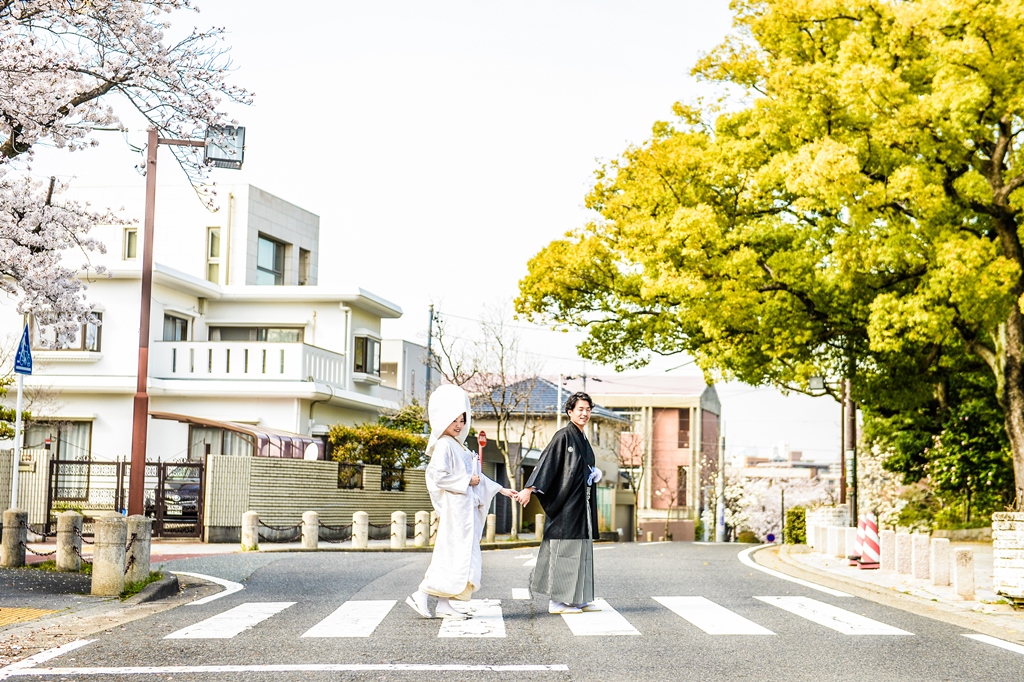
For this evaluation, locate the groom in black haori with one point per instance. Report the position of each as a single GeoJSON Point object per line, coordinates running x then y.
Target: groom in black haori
{"type": "Point", "coordinates": [564, 481]}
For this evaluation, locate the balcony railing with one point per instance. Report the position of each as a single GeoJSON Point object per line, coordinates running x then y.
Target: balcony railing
{"type": "Point", "coordinates": [246, 361]}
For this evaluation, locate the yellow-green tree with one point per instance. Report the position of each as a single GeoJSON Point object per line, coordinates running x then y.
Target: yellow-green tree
{"type": "Point", "coordinates": [851, 209]}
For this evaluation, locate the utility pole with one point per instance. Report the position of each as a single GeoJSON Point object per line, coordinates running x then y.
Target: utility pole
{"type": "Point", "coordinates": [430, 337]}
{"type": "Point", "coordinates": [842, 441]}
{"type": "Point", "coordinates": [720, 507]}
{"type": "Point", "coordinates": [558, 405]}
{"type": "Point", "coordinates": [851, 448]}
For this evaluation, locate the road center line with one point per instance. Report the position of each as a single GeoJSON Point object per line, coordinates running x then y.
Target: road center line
{"type": "Point", "coordinates": [17, 667]}
{"type": "Point", "coordinates": [287, 668]}
{"type": "Point", "coordinates": [745, 559]}
{"type": "Point", "coordinates": [1002, 644]}
{"type": "Point", "coordinates": [521, 593]}
{"type": "Point", "coordinates": [229, 587]}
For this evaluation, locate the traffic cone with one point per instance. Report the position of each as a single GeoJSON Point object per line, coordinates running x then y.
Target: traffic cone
{"type": "Point", "coordinates": [869, 547]}
{"type": "Point", "coordinates": [858, 543]}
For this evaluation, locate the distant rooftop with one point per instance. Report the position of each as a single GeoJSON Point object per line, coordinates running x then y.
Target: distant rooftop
{"type": "Point", "coordinates": [543, 400]}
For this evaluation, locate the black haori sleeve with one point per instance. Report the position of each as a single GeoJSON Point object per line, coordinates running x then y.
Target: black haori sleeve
{"type": "Point", "coordinates": [547, 475]}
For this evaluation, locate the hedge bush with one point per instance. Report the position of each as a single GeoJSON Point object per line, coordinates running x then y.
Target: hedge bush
{"type": "Point", "coordinates": [796, 526]}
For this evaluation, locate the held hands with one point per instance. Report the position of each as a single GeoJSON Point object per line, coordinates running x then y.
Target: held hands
{"type": "Point", "coordinates": [523, 496]}
{"type": "Point", "coordinates": [508, 492]}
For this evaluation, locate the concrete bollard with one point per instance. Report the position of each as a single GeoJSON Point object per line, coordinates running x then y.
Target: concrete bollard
{"type": "Point", "coordinates": [433, 527]}
{"type": "Point", "coordinates": [834, 542]}
{"type": "Point", "coordinates": [422, 535]}
{"type": "Point", "coordinates": [850, 546]}
{"type": "Point", "coordinates": [360, 530]}
{"type": "Point", "coordinates": [140, 538]}
{"type": "Point", "coordinates": [69, 541]}
{"type": "Point", "coordinates": [398, 530]}
{"type": "Point", "coordinates": [492, 521]}
{"type": "Point", "coordinates": [821, 540]}
{"type": "Point", "coordinates": [920, 556]}
{"type": "Point", "coordinates": [904, 559]}
{"type": "Point", "coordinates": [539, 522]}
{"type": "Point", "coordinates": [887, 550]}
{"type": "Point", "coordinates": [310, 530]}
{"type": "Point", "coordinates": [812, 538]}
{"type": "Point", "coordinates": [108, 556]}
{"type": "Point", "coordinates": [939, 568]}
{"type": "Point", "coordinates": [250, 531]}
{"type": "Point", "coordinates": [963, 573]}
{"type": "Point", "coordinates": [12, 553]}
{"type": "Point", "coordinates": [650, 536]}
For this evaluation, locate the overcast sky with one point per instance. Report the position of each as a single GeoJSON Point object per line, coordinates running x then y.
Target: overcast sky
{"type": "Point", "coordinates": [443, 144]}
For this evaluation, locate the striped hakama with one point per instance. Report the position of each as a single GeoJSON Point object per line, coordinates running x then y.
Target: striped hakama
{"type": "Point", "coordinates": [565, 571]}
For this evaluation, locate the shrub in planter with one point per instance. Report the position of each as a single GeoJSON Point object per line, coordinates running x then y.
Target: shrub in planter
{"type": "Point", "coordinates": [796, 526]}
{"type": "Point", "coordinates": [746, 536]}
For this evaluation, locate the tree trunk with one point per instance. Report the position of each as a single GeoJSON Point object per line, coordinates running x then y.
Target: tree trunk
{"type": "Point", "coordinates": [1013, 372]}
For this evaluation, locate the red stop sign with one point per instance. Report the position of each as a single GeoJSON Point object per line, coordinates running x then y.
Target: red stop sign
{"type": "Point", "coordinates": [482, 439]}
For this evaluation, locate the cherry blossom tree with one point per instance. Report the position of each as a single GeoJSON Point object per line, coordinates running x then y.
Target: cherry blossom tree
{"type": "Point", "coordinates": [64, 65]}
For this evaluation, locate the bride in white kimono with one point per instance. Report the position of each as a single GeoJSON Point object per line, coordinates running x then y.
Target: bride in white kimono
{"type": "Point", "coordinates": [461, 496]}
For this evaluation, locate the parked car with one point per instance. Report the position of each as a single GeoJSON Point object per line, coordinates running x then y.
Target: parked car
{"type": "Point", "coordinates": [181, 494]}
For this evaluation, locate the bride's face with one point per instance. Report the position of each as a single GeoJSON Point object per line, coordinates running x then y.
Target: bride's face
{"type": "Point", "coordinates": [455, 428]}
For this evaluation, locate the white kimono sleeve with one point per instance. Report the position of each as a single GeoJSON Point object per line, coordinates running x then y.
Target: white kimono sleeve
{"type": "Point", "coordinates": [446, 471]}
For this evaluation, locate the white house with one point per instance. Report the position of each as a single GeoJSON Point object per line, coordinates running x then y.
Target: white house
{"type": "Point", "coordinates": [243, 341]}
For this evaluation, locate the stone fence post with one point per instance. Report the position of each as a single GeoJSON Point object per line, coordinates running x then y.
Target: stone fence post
{"type": "Point", "coordinates": [963, 573]}
{"type": "Point", "coordinates": [422, 536]}
{"type": "Point", "coordinates": [920, 555]}
{"type": "Point", "coordinates": [939, 568]}
{"type": "Point", "coordinates": [538, 522]}
{"type": "Point", "coordinates": [108, 556]}
{"type": "Point", "coordinates": [140, 536]}
{"type": "Point", "coordinates": [887, 550]}
{"type": "Point", "coordinates": [69, 541]}
{"type": "Point", "coordinates": [836, 538]}
{"type": "Point", "coordinates": [489, 533]}
{"type": "Point", "coordinates": [12, 553]}
{"type": "Point", "coordinates": [360, 530]}
{"type": "Point", "coordinates": [850, 542]}
{"type": "Point", "coordinates": [904, 554]}
{"type": "Point", "coordinates": [250, 531]}
{"type": "Point", "coordinates": [310, 530]}
{"type": "Point", "coordinates": [398, 530]}
{"type": "Point", "coordinates": [1008, 554]}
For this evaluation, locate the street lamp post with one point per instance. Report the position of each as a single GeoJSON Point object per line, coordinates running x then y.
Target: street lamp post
{"type": "Point", "coordinates": [224, 149]}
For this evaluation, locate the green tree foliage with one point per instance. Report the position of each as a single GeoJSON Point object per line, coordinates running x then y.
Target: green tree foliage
{"type": "Point", "coordinates": [852, 212]}
{"type": "Point", "coordinates": [376, 444]}
{"type": "Point", "coordinates": [795, 532]}
{"type": "Point", "coordinates": [411, 418]}
{"type": "Point", "coordinates": [7, 415]}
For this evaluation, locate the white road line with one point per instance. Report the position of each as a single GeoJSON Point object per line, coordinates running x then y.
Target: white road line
{"type": "Point", "coordinates": [745, 559]}
{"type": "Point", "coordinates": [353, 619]}
{"type": "Point", "coordinates": [18, 667]}
{"type": "Point", "coordinates": [486, 621]}
{"type": "Point", "coordinates": [229, 587]}
{"type": "Point", "coordinates": [233, 621]}
{"type": "Point", "coordinates": [1002, 644]}
{"type": "Point", "coordinates": [531, 562]}
{"type": "Point", "coordinates": [833, 617]}
{"type": "Point", "coordinates": [653, 542]}
{"type": "Point", "coordinates": [710, 617]}
{"type": "Point", "coordinates": [607, 621]}
{"type": "Point", "coordinates": [290, 668]}
{"type": "Point", "coordinates": [521, 593]}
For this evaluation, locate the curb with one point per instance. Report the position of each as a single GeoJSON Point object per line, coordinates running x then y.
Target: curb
{"type": "Point", "coordinates": [161, 589]}
{"type": "Point", "coordinates": [483, 545]}
{"type": "Point", "coordinates": [1008, 626]}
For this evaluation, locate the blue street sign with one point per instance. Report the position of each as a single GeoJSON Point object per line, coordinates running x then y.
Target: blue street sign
{"type": "Point", "coordinates": [23, 358]}
{"type": "Point", "coordinates": [771, 537]}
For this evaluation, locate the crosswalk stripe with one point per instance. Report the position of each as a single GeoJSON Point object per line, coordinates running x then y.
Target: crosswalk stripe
{"type": "Point", "coordinates": [353, 619]}
{"type": "Point", "coordinates": [832, 617]}
{"type": "Point", "coordinates": [711, 617]}
{"type": "Point", "coordinates": [521, 593]}
{"type": "Point", "coordinates": [486, 621]}
{"type": "Point", "coordinates": [1002, 644]}
{"type": "Point", "coordinates": [231, 622]}
{"type": "Point", "coordinates": [607, 621]}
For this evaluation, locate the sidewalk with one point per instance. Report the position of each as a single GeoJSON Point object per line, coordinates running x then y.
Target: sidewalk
{"type": "Point", "coordinates": [988, 612]}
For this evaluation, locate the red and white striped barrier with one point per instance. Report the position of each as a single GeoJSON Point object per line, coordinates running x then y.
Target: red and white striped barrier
{"type": "Point", "coordinates": [869, 547]}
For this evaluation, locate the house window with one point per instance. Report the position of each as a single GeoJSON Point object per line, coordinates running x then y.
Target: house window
{"type": "Point", "coordinates": [131, 243]}
{"type": "Point", "coordinates": [367, 355]}
{"type": "Point", "coordinates": [213, 254]}
{"type": "Point", "coordinates": [269, 262]}
{"type": "Point", "coordinates": [70, 442]}
{"type": "Point", "coordinates": [681, 487]}
{"type": "Point", "coordinates": [87, 338]}
{"type": "Point", "coordinates": [175, 328]}
{"type": "Point", "coordinates": [684, 428]}
{"type": "Point", "coordinates": [303, 267]}
{"type": "Point", "coordinates": [268, 334]}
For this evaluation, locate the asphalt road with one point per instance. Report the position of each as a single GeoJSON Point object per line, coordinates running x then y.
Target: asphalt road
{"type": "Point", "coordinates": [641, 639]}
